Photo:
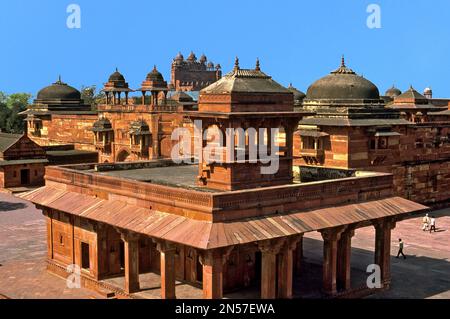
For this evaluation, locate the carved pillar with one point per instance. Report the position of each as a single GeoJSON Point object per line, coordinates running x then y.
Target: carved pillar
{"type": "Point", "coordinates": [286, 267]}
{"type": "Point", "coordinates": [49, 217]}
{"type": "Point", "coordinates": [131, 244]}
{"type": "Point", "coordinates": [213, 262]}
{"type": "Point", "coordinates": [330, 242]}
{"type": "Point", "coordinates": [343, 259]}
{"type": "Point", "coordinates": [167, 251]}
{"type": "Point", "coordinates": [383, 230]}
{"type": "Point", "coordinates": [102, 250]}
{"type": "Point", "coordinates": [289, 138]}
{"type": "Point", "coordinates": [269, 250]}
{"type": "Point", "coordinates": [298, 256]}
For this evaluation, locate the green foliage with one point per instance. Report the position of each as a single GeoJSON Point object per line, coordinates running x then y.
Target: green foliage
{"type": "Point", "coordinates": [10, 107]}
{"type": "Point", "coordinates": [90, 96]}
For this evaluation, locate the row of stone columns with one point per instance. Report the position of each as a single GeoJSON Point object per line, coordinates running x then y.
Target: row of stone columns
{"type": "Point", "coordinates": [336, 259]}
{"type": "Point", "coordinates": [277, 263]}
{"type": "Point", "coordinates": [277, 267]}
{"type": "Point", "coordinates": [131, 256]}
{"type": "Point", "coordinates": [337, 255]}
{"type": "Point", "coordinates": [383, 229]}
{"type": "Point", "coordinates": [116, 97]}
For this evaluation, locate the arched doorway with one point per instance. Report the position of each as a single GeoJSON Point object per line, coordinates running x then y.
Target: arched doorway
{"type": "Point", "coordinates": [123, 156]}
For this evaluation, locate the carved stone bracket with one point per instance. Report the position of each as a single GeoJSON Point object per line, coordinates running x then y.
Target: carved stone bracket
{"type": "Point", "coordinates": [271, 246]}
{"type": "Point", "coordinates": [222, 254]}
{"type": "Point", "coordinates": [127, 235]}
{"type": "Point", "coordinates": [385, 223]}
{"type": "Point", "coordinates": [332, 233]}
{"type": "Point", "coordinates": [291, 242]}
{"type": "Point", "coordinates": [164, 246]}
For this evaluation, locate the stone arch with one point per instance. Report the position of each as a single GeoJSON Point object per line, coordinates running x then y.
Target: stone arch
{"type": "Point", "coordinates": [166, 145]}
{"type": "Point", "coordinates": [123, 156]}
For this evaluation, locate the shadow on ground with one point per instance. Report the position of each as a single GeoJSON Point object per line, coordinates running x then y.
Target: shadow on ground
{"type": "Point", "coordinates": [8, 206]}
{"type": "Point", "coordinates": [417, 277]}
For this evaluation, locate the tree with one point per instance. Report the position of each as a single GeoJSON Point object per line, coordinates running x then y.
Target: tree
{"type": "Point", "coordinates": [10, 107]}
{"type": "Point", "coordinates": [90, 96]}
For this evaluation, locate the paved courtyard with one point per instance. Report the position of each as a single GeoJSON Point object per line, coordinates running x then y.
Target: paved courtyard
{"type": "Point", "coordinates": [22, 254]}
{"type": "Point", "coordinates": [424, 274]}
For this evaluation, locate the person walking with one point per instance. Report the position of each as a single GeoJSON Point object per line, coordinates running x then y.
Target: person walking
{"type": "Point", "coordinates": [433, 224]}
{"type": "Point", "coordinates": [400, 248]}
{"type": "Point", "coordinates": [425, 222]}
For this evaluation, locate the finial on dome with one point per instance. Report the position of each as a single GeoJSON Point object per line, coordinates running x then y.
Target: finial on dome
{"type": "Point", "coordinates": [343, 61]}
{"type": "Point", "coordinates": [117, 69]}
{"type": "Point", "coordinates": [236, 64]}
{"type": "Point", "coordinates": [257, 68]}
{"type": "Point", "coordinates": [154, 67]}
{"type": "Point", "coordinates": [59, 78]}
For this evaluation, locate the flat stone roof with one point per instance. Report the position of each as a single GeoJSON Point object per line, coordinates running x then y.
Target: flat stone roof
{"type": "Point", "coordinates": [184, 176]}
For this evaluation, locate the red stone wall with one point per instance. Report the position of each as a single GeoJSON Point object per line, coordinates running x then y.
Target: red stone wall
{"type": "Point", "coordinates": [419, 158]}
{"type": "Point", "coordinates": [223, 206]}
{"type": "Point", "coordinates": [10, 175]}
{"type": "Point", "coordinates": [160, 123]}
{"type": "Point", "coordinates": [67, 129]}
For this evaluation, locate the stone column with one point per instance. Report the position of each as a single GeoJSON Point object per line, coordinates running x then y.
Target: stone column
{"type": "Point", "coordinates": [298, 256]}
{"type": "Point", "coordinates": [343, 259]}
{"type": "Point", "coordinates": [269, 250]}
{"type": "Point", "coordinates": [286, 267]}
{"type": "Point", "coordinates": [131, 244]}
{"type": "Point", "coordinates": [330, 242]}
{"type": "Point", "coordinates": [167, 251]}
{"type": "Point", "coordinates": [49, 218]}
{"type": "Point", "coordinates": [383, 230]}
{"type": "Point", "coordinates": [213, 262]}
{"type": "Point", "coordinates": [102, 250]}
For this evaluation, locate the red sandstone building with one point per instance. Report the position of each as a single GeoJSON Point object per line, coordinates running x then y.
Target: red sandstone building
{"type": "Point", "coordinates": [225, 226]}
{"type": "Point", "coordinates": [124, 127]}
{"type": "Point", "coordinates": [193, 75]}
{"type": "Point", "coordinates": [354, 128]}
{"type": "Point", "coordinates": [22, 162]}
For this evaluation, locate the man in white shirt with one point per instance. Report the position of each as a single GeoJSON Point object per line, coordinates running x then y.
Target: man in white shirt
{"type": "Point", "coordinates": [425, 222]}
{"type": "Point", "coordinates": [433, 224]}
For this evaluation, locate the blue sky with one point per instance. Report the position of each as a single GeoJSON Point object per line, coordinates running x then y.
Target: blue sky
{"type": "Point", "coordinates": [296, 41]}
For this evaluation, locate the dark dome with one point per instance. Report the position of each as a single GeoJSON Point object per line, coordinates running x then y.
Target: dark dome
{"type": "Point", "coordinates": [59, 91]}
{"type": "Point", "coordinates": [103, 124]}
{"type": "Point", "coordinates": [179, 57]}
{"type": "Point", "coordinates": [155, 76]}
{"type": "Point", "coordinates": [344, 84]}
{"type": "Point", "coordinates": [298, 95]}
{"type": "Point", "coordinates": [182, 97]}
{"type": "Point", "coordinates": [192, 57]}
{"type": "Point", "coordinates": [393, 92]}
{"type": "Point", "coordinates": [116, 77]}
{"type": "Point", "coordinates": [139, 127]}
